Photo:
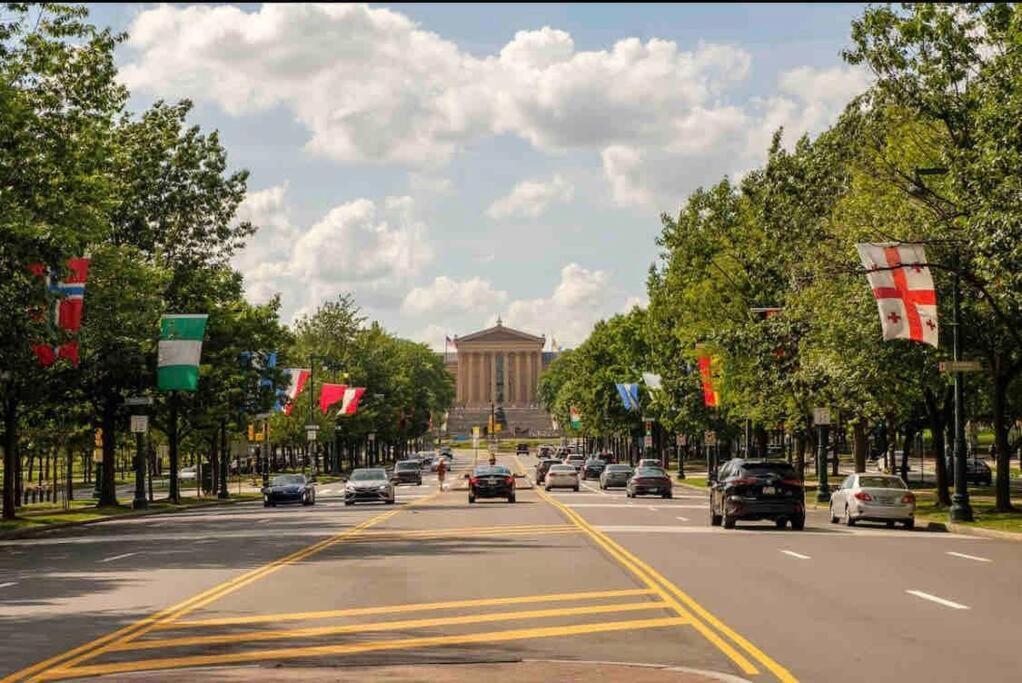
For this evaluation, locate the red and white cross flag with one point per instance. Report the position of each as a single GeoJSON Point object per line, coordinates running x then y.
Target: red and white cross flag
{"type": "Point", "coordinates": [349, 404]}
{"type": "Point", "coordinates": [903, 287]}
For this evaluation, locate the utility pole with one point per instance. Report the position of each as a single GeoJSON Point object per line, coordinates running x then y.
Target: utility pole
{"type": "Point", "coordinates": [961, 509]}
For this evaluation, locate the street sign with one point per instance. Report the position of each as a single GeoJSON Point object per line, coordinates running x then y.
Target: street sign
{"type": "Point", "coordinates": [372, 436]}
{"type": "Point", "coordinates": [138, 401]}
{"type": "Point", "coordinates": [681, 439]}
{"type": "Point", "coordinates": [821, 416]}
{"type": "Point", "coordinates": [311, 435]}
{"type": "Point", "coordinates": [647, 441]}
{"type": "Point", "coordinates": [710, 438]}
{"type": "Point", "coordinates": [475, 432]}
{"type": "Point", "coordinates": [950, 366]}
{"type": "Point", "coordinates": [139, 424]}
{"type": "Point", "coordinates": [649, 419]}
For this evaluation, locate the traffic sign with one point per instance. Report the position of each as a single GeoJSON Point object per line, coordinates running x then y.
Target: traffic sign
{"type": "Point", "coordinates": [372, 436]}
{"type": "Point", "coordinates": [647, 441]}
{"type": "Point", "coordinates": [710, 438]}
{"type": "Point", "coordinates": [139, 424]}
{"type": "Point", "coordinates": [950, 366]}
{"type": "Point", "coordinates": [821, 416]}
{"type": "Point", "coordinates": [138, 401]}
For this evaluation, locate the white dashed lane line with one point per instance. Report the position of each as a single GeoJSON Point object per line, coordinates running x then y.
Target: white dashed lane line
{"type": "Point", "coordinates": [939, 601]}
{"type": "Point", "coordinates": [8, 584]}
{"type": "Point", "coordinates": [969, 557]}
{"type": "Point", "coordinates": [682, 519]}
{"type": "Point", "coordinates": [117, 557]}
{"type": "Point", "coordinates": [799, 556]}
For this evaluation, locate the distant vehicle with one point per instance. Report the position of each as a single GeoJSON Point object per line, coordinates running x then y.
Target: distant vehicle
{"type": "Point", "coordinates": [407, 472]}
{"type": "Point", "coordinates": [369, 485]}
{"type": "Point", "coordinates": [546, 451]}
{"type": "Point", "coordinates": [562, 477]}
{"type": "Point", "coordinates": [755, 490]}
{"type": "Point", "coordinates": [874, 498]}
{"type": "Point", "coordinates": [650, 462]}
{"type": "Point", "coordinates": [576, 460]}
{"type": "Point", "coordinates": [446, 452]}
{"type": "Point", "coordinates": [649, 481]}
{"type": "Point", "coordinates": [522, 449]}
{"type": "Point", "coordinates": [615, 475]}
{"type": "Point", "coordinates": [542, 466]}
{"type": "Point", "coordinates": [187, 473]}
{"type": "Point", "coordinates": [289, 488]}
{"type": "Point", "coordinates": [593, 468]}
{"type": "Point", "coordinates": [494, 481]}
{"type": "Point", "coordinates": [976, 472]}
{"type": "Point", "coordinates": [606, 457]}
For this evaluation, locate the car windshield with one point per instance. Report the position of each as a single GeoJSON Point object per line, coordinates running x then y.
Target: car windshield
{"type": "Point", "coordinates": [649, 472]}
{"type": "Point", "coordinates": [563, 469]}
{"type": "Point", "coordinates": [288, 480]}
{"type": "Point", "coordinates": [407, 466]}
{"type": "Point", "coordinates": [761, 469]}
{"type": "Point", "coordinates": [498, 469]}
{"type": "Point", "coordinates": [619, 468]}
{"type": "Point", "coordinates": [873, 482]}
{"type": "Point", "coordinates": [368, 475]}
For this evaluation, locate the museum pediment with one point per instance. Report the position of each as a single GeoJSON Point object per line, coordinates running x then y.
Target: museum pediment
{"type": "Point", "coordinates": [499, 333]}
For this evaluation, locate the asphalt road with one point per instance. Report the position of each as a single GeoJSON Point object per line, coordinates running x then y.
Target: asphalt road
{"type": "Point", "coordinates": [436, 589]}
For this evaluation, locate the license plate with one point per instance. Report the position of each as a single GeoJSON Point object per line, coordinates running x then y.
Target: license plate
{"type": "Point", "coordinates": [769, 490]}
{"type": "Point", "coordinates": [492, 481]}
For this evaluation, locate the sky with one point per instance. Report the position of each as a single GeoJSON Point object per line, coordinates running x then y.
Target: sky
{"type": "Point", "coordinates": [449, 164]}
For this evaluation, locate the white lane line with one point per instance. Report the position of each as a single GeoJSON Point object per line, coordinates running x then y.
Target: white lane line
{"type": "Point", "coordinates": [8, 584]}
{"type": "Point", "coordinates": [970, 557]}
{"type": "Point", "coordinates": [117, 557]}
{"type": "Point", "coordinates": [682, 519]}
{"type": "Point", "coordinates": [652, 509]}
{"type": "Point", "coordinates": [633, 506]}
{"type": "Point", "coordinates": [939, 601]}
{"type": "Point", "coordinates": [796, 555]}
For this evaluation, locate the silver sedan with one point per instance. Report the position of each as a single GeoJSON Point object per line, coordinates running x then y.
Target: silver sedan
{"type": "Point", "coordinates": [562, 477]}
{"type": "Point", "coordinates": [874, 498]}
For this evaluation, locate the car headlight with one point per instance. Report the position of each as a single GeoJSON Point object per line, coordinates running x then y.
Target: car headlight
{"type": "Point", "coordinates": [349, 487]}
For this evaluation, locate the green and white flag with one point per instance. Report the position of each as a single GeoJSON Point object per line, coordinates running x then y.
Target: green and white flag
{"type": "Point", "coordinates": [180, 351]}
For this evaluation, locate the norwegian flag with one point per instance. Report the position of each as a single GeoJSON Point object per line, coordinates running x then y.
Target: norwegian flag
{"type": "Point", "coordinates": [904, 291]}
{"type": "Point", "coordinates": [349, 404]}
{"type": "Point", "coordinates": [297, 378]}
{"type": "Point", "coordinates": [68, 307]}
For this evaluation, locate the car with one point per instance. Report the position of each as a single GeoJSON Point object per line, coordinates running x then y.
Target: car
{"type": "Point", "coordinates": [289, 488]}
{"type": "Point", "coordinates": [576, 460]}
{"type": "Point", "coordinates": [874, 498]}
{"type": "Point", "coordinates": [606, 457]}
{"type": "Point", "coordinates": [546, 451]}
{"type": "Point", "coordinates": [649, 481]}
{"type": "Point", "coordinates": [562, 477]}
{"type": "Point", "coordinates": [369, 485]}
{"type": "Point", "coordinates": [491, 481]}
{"type": "Point", "coordinates": [757, 490]}
{"type": "Point", "coordinates": [542, 466]}
{"type": "Point", "coordinates": [615, 475]}
{"type": "Point", "coordinates": [976, 472]}
{"type": "Point", "coordinates": [522, 449]}
{"type": "Point", "coordinates": [446, 452]}
{"type": "Point", "coordinates": [650, 462]}
{"type": "Point", "coordinates": [407, 472]}
{"type": "Point", "coordinates": [187, 473]}
{"type": "Point", "coordinates": [593, 468]}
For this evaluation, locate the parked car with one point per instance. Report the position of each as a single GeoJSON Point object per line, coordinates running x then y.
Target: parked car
{"type": "Point", "coordinates": [756, 490]}
{"type": "Point", "coordinates": [542, 466]}
{"type": "Point", "coordinates": [593, 468]}
{"type": "Point", "coordinates": [562, 477]}
{"type": "Point", "coordinates": [649, 481]}
{"type": "Point", "coordinates": [289, 488]}
{"type": "Point", "coordinates": [615, 475]}
{"type": "Point", "coordinates": [187, 473]}
{"type": "Point", "coordinates": [522, 449]}
{"type": "Point", "coordinates": [369, 485]}
{"type": "Point", "coordinates": [650, 462]}
{"type": "Point", "coordinates": [407, 472]}
{"type": "Point", "coordinates": [488, 481]}
{"type": "Point", "coordinates": [875, 498]}
{"type": "Point", "coordinates": [976, 472]}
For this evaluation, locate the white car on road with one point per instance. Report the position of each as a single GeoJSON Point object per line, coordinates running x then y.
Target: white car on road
{"type": "Point", "coordinates": [874, 498]}
{"type": "Point", "coordinates": [562, 477]}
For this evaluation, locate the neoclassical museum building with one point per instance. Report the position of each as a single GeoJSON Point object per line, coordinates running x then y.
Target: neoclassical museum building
{"type": "Point", "coordinates": [498, 366]}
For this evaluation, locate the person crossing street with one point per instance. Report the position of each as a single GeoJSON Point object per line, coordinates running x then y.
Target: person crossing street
{"type": "Point", "coordinates": [441, 470]}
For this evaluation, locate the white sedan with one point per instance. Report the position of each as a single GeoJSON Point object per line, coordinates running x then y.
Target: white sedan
{"type": "Point", "coordinates": [561, 477]}
{"type": "Point", "coordinates": [874, 498]}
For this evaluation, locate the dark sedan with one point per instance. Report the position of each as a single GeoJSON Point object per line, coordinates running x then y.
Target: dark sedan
{"type": "Point", "coordinates": [407, 472]}
{"type": "Point", "coordinates": [289, 488]}
{"type": "Point", "coordinates": [369, 485]}
{"type": "Point", "coordinates": [649, 481]}
{"type": "Point", "coordinates": [491, 482]}
{"type": "Point", "coordinates": [543, 466]}
{"type": "Point", "coordinates": [976, 472]}
{"type": "Point", "coordinates": [757, 490]}
{"type": "Point", "coordinates": [593, 468]}
{"type": "Point", "coordinates": [615, 475]}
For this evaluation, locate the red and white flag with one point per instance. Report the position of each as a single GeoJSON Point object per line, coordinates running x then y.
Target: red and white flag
{"type": "Point", "coordinates": [69, 302]}
{"type": "Point", "coordinates": [330, 394]}
{"type": "Point", "coordinates": [297, 380]}
{"type": "Point", "coordinates": [903, 287]}
{"type": "Point", "coordinates": [349, 404]}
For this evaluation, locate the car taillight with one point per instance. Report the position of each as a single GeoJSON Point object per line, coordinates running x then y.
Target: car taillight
{"type": "Point", "coordinates": [792, 482]}
{"type": "Point", "coordinates": [473, 480]}
{"type": "Point", "coordinates": [862, 495]}
{"type": "Point", "coordinates": [743, 480]}
{"type": "Point", "coordinates": [509, 480]}
{"type": "Point", "coordinates": [908, 498]}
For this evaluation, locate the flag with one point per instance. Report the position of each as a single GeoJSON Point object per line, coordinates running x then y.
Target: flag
{"type": "Point", "coordinates": [629, 395]}
{"type": "Point", "coordinates": [330, 394]}
{"type": "Point", "coordinates": [652, 380]}
{"type": "Point", "coordinates": [903, 288]}
{"type": "Point", "coordinates": [180, 351]}
{"type": "Point", "coordinates": [707, 370]}
{"type": "Point", "coordinates": [576, 417]}
{"type": "Point", "coordinates": [68, 307]}
{"type": "Point", "coordinates": [349, 404]}
{"type": "Point", "coordinates": [297, 378]}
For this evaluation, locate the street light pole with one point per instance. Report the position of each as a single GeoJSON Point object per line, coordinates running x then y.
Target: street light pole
{"type": "Point", "coordinates": [961, 509]}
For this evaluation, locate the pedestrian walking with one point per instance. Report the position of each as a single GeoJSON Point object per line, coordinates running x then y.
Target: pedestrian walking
{"type": "Point", "coordinates": [441, 470]}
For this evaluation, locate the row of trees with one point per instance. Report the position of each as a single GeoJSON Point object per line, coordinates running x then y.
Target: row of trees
{"type": "Point", "coordinates": [944, 102]}
{"type": "Point", "coordinates": [152, 201]}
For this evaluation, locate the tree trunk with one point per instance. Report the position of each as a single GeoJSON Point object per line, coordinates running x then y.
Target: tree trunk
{"type": "Point", "coordinates": [859, 444]}
{"type": "Point", "coordinates": [937, 416]}
{"type": "Point", "coordinates": [108, 486]}
{"type": "Point", "coordinates": [906, 448]}
{"type": "Point", "coordinates": [10, 456]}
{"type": "Point", "coordinates": [1002, 490]}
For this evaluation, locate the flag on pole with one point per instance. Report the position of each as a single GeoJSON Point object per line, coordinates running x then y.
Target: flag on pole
{"type": "Point", "coordinates": [903, 288]}
{"type": "Point", "coordinates": [707, 370]}
{"type": "Point", "coordinates": [180, 351]}
{"type": "Point", "coordinates": [576, 417]}
{"type": "Point", "coordinates": [652, 380]}
{"type": "Point", "coordinates": [349, 403]}
{"type": "Point", "coordinates": [629, 395]}
{"type": "Point", "coordinates": [68, 307]}
{"type": "Point", "coordinates": [330, 394]}
{"type": "Point", "coordinates": [297, 378]}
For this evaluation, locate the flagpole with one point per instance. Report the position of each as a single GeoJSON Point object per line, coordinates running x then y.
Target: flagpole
{"type": "Point", "coordinates": [961, 509]}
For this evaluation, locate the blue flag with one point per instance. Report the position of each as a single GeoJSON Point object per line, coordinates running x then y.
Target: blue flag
{"type": "Point", "coordinates": [629, 396]}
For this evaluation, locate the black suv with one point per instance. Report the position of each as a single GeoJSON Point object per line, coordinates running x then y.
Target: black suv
{"type": "Point", "coordinates": [593, 468]}
{"type": "Point", "coordinates": [522, 449]}
{"type": "Point", "coordinates": [491, 482]}
{"type": "Point", "coordinates": [757, 489]}
{"type": "Point", "coordinates": [407, 472]}
{"type": "Point", "coordinates": [542, 466]}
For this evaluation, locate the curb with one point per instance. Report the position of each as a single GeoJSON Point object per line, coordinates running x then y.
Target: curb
{"type": "Point", "coordinates": [43, 530]}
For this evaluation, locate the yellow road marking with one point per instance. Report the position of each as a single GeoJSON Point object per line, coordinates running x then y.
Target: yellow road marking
{"type": "Point", "coordinates": [398, 609]}
{"type": "Point", "coordinates": [656, 580]}
{"type": "Point", "coordinates": [318, 631]}
{"type": "Point", "coordinates": [357, 648]}
{"type": "Point", "coordinates": [100, 645]}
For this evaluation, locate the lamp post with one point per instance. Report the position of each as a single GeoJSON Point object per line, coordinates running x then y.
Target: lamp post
{"type": "Point", "coordinates": [821, 418]}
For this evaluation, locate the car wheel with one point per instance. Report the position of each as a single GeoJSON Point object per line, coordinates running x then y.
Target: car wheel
{"type": "Point", "coordinates": [390, 501]}
{"type": "Point", "coordinates": [780, 522]}
{"type": "Point", "coordinates": [798, 523]}
{"type": "Point", "coordinates": [729, 522]}
{"type": "Point", "coordinates": [547, 488]}
{"type": "Point", "coordinates": [848, 518]}
{"type": "Point", "coordinates": [266, 503]}
{"type": "Point", "coordinates": [349, 502]}
{"type": "Point", "coordinates": [669, 495]}
{"type": "Point", "coordinates": [715, 520]}
{"type": "Point", "coordinates": [910, 524]}
{"type": "Point", "coordinates": [576, 489]}
{"type": "Point", "coordinates": [833, 517]}
{"type": "Point", "coordinates": [510, 499]}
{"type": "Point", "coordinates": [471, 499]}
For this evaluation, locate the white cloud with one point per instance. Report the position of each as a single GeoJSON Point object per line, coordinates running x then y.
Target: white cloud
{"type": "Point", "coordinates": [530, 198]}
{"type": "Point", "coordinates": [445, 296]}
